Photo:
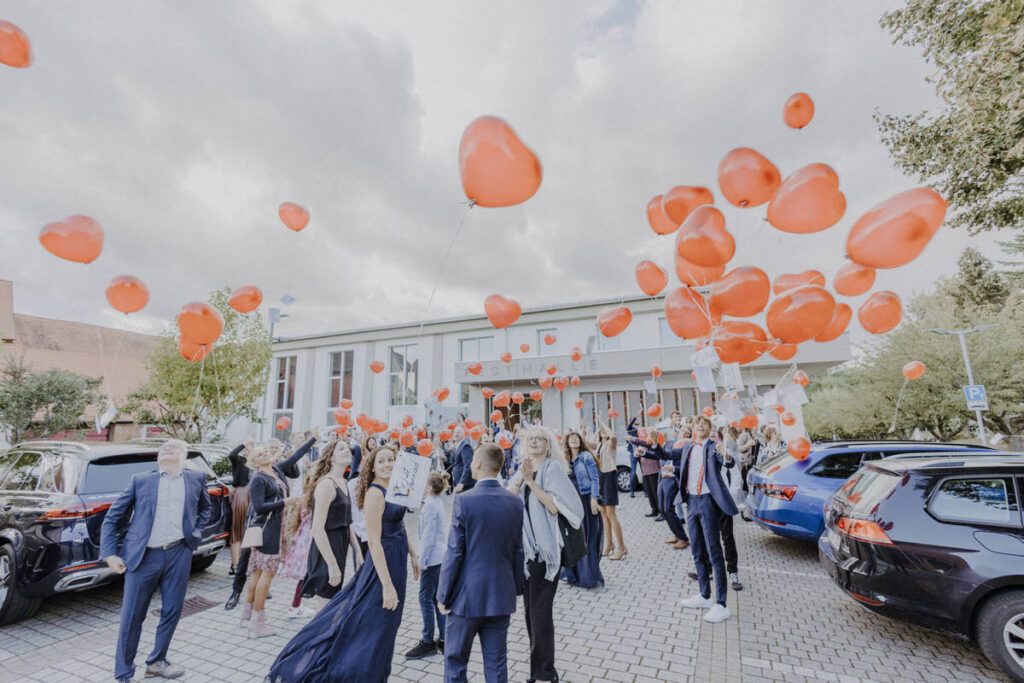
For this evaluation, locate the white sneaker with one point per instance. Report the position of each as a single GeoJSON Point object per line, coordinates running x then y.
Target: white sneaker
{"type": "Point", "coordinates": [717, 613]}
{"type": "Point", "coordinates": [697, 602]}
{"type": "Point", "coordinates": [299, 612]}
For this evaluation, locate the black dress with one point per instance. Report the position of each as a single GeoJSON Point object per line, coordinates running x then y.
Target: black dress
{"type": "Point", "coordinates": [318, 573]}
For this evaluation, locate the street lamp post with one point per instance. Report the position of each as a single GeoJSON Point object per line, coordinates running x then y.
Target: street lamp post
{"type": "Point", "coordinates": [274, 315]}
{"type": "Point", "coordinates": [962, 336]}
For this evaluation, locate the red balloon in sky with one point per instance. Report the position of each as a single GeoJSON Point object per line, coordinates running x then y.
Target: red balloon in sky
{"type": "Point", "coordinates": [497, 169]}
{"type": "Point", "coordinates": [15, 48]}
{"type": "Point", "coordinates": [895, 232]}
{"type": "Point", "coordinates": [747, 178]}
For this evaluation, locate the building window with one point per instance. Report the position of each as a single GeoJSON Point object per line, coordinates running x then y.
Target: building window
{"type": "Point", "coordinates": [472, 349]}
{"type": "Point", "coordinates": [403, 371]}
{"type": "Point", "coordinates": [667, 336]}
{"type": "Point", "coordinates": [606, 343]}
{"type": "Point", "coordinates": [542, 348]}
{"type": "Point", "coordinates": [339, 380]}
{"type": "Point", "coordinates": [476, 348]}
{"type": "Point", "coordinates": [284, 393]}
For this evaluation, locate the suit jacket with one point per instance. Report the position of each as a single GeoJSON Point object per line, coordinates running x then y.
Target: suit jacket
{"type": "Point", "coordinates": [357, 458]}
{"type": "Point", "coordinates": [483, 570]}
{"type": "Point", "coordinates": [463, 458]}
{"type": "Point", "coordinates": [129, 521]}
{"type": "Point", "coordinates": [715, 485]}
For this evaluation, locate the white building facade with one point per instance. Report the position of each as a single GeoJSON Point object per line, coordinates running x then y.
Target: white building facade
{"type": "Point", "coordinates": [310, 375]}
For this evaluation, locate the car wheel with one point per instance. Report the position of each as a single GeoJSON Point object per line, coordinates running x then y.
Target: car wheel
{"type": "Point", "coordinates": [1001, 632]}
{"type": "Point", "coordinates": [13, 605]}
{"type": "Point", "coordinates": [622, 479]}
{"type": "Point", "coordinates": [201, 564]}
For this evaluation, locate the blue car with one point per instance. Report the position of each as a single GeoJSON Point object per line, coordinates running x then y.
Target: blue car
{"type": "Point", "coordinates": [788, 496]}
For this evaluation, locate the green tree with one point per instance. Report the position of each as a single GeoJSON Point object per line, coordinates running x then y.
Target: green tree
{"type": "Point", "coordinates": [41, 404]}
{"type": "Point", "coordinates": [972, 150]}
{"type": "Point", "coordinates": [978, 289]}
{"type": "Point", "coordinates": [192, 401]}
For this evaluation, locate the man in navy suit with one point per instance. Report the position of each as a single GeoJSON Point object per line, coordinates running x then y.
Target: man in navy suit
{"type": "Point", "coordinates": [463, 476]}
{"type": "Point", "coordinates": [149, 535]}
{"type": "Point", "coordinates": [483, 571]}
{"type": "Point", "coordinates": [707, 498]}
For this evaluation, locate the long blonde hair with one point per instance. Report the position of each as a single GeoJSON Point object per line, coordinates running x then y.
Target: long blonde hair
{"type": "Point", "coordinates": [554, 451]}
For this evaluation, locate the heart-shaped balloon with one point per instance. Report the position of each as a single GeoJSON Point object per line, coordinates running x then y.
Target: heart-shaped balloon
{"type": "Point", "coordinates": [881, 312]}
{"type": "Point", "coordinates": [659, 221]}
{"type": "Point", "coordinates": [199, 322]}
{"type": "Point", "coordinates": [738, 341]}
{"type": "Point", "coordinates": [788, 418]}
{"type": "Point", "coordinates": [441, 394]}
{"type": "Point", "coordinates": [800, 377]}
{"type": "Point", "coordinates": [424, 447]}
{"type": "Point", "coordinates": [15, 48]}
{"type": "Point", "coordinates": [896, 231]}
{"type": "Point", "coordinates": [654, 411]}
{"type": "Point", "coordinates": [343, 417]}
{"type": "Point", "coordinates": [283, 423]}
{"type": "Point", "coordinates": [800, 313]}
{"type": "Point", "coordinates": [550, 339]}
{"type": "Point", "coordinates": [376, 367]}
{"type": "Point", "coordinates": [504, 442]}
{"type": "Point", "coordinates": [77, 238]}
{"type": "Point", "coordinates": [496, 416]}
{"type": "Point", "coordinates": [853, 279]}
{"type": "Point", "coordinates": [497, 169]}
{"type": "Point", "coordinates": [487, 392]}
{"type": "Point", "coordinates": [518, 398]}
{"type": "Point", "coordinates": [246, 299]}
{"type": "Point", "coordinates": [798, 110]}
{"type": "Point", "coordinates": [794, 280]}
{"type": "Point", "coordinates": [524, 348]}
{"type": "Point", "coordinates": [703, 239]}
{"type": "Point", "coordinates": [407, 439]}
{"type": "Point", "coordinates": [506, 358]}
{"type": "Point", "coordinates": [407, 422]}
{"type": "Point", "coordinates": [656, 372]}
{"type": "Point", "coordinates": [536, 394]}
{"type": "Point", "coordinates": [914, 370]}
{"type": "Point", "coordinates": [613, 321]}
{"type": "Point", "coordinates": [742, 292]}
{"type": "Point", "coordinates": [575, 381]}
{"type": "Point", "coordinates": [561, 383]}
{"type": "Point", "coordinates": [692, 275]}
{"type": "Point", "coordinates": [544, 381]}
{"type": "Point", "coordinates": [747, 178]}
{"type": "Point", "coordinates": [578, 403]}
{"type": "Point", "coordinates": [551, 369]}
{"type": "Point", "coordinates": [127, 294]}
{"type": "Point", "coordinates": [294, 216]}
{"type": "Point", "coordinates": [837, 325]}
{"type": "Point", "coordinates": [808, 201]}
{"type": "Point", "coordinates": [576, 354]}
{"type": "Point", "coordinates": [347, 403]}
{"type": "Point", "coordinates": [651, 278]}
{"type": "Point", "coordinates": [612, 413]}
{"type": "Point", "coordinates": [502, 399]}
{"type": "Point", "coordinates": [474, 368]}
{"type": "Point", "coordinates": [501, 311]}
{"type": "Point", "coordinates": [686, 313]}
{"type": "Point", "coordinates": [783, 351]}
{"type": "Point", "coordinates": [748, 421]}
{"type": "Point", "coordinates": [680, 201]}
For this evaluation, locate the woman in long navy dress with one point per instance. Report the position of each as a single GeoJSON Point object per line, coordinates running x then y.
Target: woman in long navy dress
{"type": "Point", "coordinates": [352, 639]}
{"type": "Point", "coordinates": [584, 476]}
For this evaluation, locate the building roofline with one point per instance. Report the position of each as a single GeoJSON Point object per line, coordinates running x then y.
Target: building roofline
{"type": "Point", "coordinates": [468, 318]}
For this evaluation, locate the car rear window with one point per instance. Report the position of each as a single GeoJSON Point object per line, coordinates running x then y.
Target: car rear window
{"type": "Point", "coordinates": [984, 501]}
{"type": "Point", "coordinates": [867, 488]}
{"type": "Point", "coordinates": [838, 466]}
{"type": "Point", "coordinates": [112, 475]}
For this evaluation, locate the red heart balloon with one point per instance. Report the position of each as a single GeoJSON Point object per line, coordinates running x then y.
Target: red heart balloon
{"type": "Point", "coordinates": [853, 279]}
{"type": "Point", "coordinates": [578, 403]}
{"type": "Point", "coordinates": [808, 201]}
{"type": "Point", "coordinates": [506, 358]}
{"type": "Point", "coordinates": [686, 313]}
{"type": "Point", "coordinates": [613, 321]}
{"type": "Point", "coordinates": [561, 383]}
{"type": "Point", "coordinates": [424, 447]}
{"type": "Point", "coordinates": [524, 348]}
{"type": "Point", "coordinates": [294, 216]}
{"type": "Point", "coordinates": [837, 325]}
{"type": "Point", "coordinates": [798, 110]}
{"type": "Point", "coordinates": [575, 381]}
{"type": "Point", "coordinates": [737, 341]}
{"type": "Point", "coordinates": [497, 169]}
{"type": "Point", "coordinates": [747, 178]}
{"type": "Point", "coordinates": [742, 292]}
{"type": "Point", "coordinates": [576, 355]}
{"type": "Point", "coordinates": [793, 280]}
{"type": "Point", "coordinates": [550, 339]}
{"type": "Point", "coordinates": [502, 399]}
{"type": "Point", "coordinates": [800, 313]}
{"type": "Point", "coordinates": [518, 398]}
{"type": "Point", "coordinates": [659, 221]}
{"type": "Point", "coordinates": [703, 239]}
{"type": "Point", "coordinates": [696, 276]}
{"type": "Point", "coordinates": [551, 369]}
{"type": "Point", "coordinates": [474, 368]}
{"type": "Point", "coordinates": [651, 278]}
{"type": "Point", "coordinates": [77, 238]}
{"type": "Point", "coordinates": [502, 312]}
{"type": "Point", "coordinates": [679, 202]}
{"type": "Point", "coordinates": [487, 392]}
{"type": "Point", "coordinates": [544, 381]}
{"type": "Point", "coordinates": [193, 352]}
{"type": "Point", "coordinates": [376, 367]}
{"type": "Point", "coordinates": [127, 294]}
{"type": "Point", "coordinates": [880, 313]}
{"type": "Point", "coordinates": [783, 351]}
{"type": "Point", "coordinates": [536, 394]}
{"type": "Point", "coordinates": [896, 231]}
{"type": "Point", "coordinates": [246, 299]}
{"type": "Point", "coordinates": [15, 48]}
{"type": "Point", "coordinates": [441, 394]}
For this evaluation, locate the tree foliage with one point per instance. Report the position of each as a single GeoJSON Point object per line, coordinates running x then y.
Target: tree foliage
{"type": "Point", "coordinates": [859, 399]}
{"type": "Point", "coordinates": [41, 404]}
{"type": "Point", "coordinates": [193, 401]}
{"type": "Point", "coordinates": [972, 151]}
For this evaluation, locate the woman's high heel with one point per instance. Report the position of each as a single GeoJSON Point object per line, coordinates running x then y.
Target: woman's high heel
{"type": "Point", "coordinates": [621, 554]}
{"type": "Point", "coordinates": [608, 551]}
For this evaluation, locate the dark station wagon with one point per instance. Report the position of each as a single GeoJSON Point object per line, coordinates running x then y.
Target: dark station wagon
{"type": "Point", "coordinates": [53, 498]}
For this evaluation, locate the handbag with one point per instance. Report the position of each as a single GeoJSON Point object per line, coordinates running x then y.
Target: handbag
{"type": "Point", "coordinates": [574, 542]}
{"type": "Point", "coordinates": [253, 537]}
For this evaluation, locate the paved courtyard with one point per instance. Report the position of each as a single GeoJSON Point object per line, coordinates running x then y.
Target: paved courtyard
{"type": "Point", "coordinates": [789, 624]}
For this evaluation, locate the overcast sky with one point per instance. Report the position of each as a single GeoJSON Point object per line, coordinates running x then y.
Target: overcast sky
{"type": "Point", "coordinates": [181, 126]}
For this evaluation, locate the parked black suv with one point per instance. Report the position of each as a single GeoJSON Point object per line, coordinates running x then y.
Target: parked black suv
{"type": "Point", "coordinates": [937, 540]}
{"type": "Point", "coordinates": [53, 498]}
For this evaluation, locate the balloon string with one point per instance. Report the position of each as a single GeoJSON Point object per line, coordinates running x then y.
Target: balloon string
{"type": "Point", "coordinates": [216, 379]}
{"type": "Point", "coordinates": [892, 427]}
{"type": "Point", "coordinates": [199, 385]}
{"type": "Point", "coordinates": [440, 269]}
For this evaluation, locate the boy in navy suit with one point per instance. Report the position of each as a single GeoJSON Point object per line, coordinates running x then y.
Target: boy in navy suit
{"type": "Point", "coordinates": [483, 570]}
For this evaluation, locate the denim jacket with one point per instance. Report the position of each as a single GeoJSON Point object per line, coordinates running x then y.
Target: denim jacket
{"type": "Point", "coordinates": [584, 469]}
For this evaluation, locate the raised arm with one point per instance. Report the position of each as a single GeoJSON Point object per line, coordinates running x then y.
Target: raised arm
{"type": "Point", "coordinates": [289, 466]}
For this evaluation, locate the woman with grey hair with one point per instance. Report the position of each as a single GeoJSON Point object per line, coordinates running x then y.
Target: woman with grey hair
{"type": "Point", "coordinates": [547, 492]}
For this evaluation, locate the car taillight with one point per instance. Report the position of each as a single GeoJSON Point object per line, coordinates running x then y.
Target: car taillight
{"type": "Point", "coordinates": [778, 491]}
{"type": "Point", "coordinates": [76, 511]}
{"type": "Point", "coordinates": [217, 490]}
{"type": "Point", "coordinates": [863, 530]}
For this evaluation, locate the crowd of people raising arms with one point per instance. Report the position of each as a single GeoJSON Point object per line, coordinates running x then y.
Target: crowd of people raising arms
{"type": "Point", "coordinates": [308, 510]}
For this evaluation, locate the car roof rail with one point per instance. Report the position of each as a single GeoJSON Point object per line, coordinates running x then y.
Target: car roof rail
{"type": "Point", "coordinates": [853, 443]}
{"type": "Point", "coordinates": [43, 443]}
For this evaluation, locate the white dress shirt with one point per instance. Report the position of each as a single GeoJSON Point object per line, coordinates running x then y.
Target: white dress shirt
{"type": "Point", "coordinates": [170, 510]}
{"type": "Point", "coordinates": [696, 475]}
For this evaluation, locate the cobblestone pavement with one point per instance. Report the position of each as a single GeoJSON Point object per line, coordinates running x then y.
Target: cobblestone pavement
{"type": "Point", "coordinates": [789, 624]}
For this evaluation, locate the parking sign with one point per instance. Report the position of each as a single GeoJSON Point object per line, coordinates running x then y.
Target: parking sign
{"type": "Point", "coordinates": [976, 397]}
